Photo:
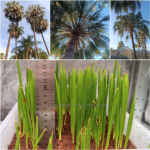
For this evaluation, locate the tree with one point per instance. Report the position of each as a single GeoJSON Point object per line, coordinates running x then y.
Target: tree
{"type": "Point", "coordinates": [34, 14]}
{"type": "Point", "coordinates": [144, 34]}
{"type": "Point", "coordinates": [106, 54]}
{"type": "Point", "coordinates": [43, 55]}
{"type": "Point", "coordinates": [130, 23]}
{"type": "Point", "coordinates": [125, 6]}
{"type": "Point", "coordinates": [26, 47]}
{"type": "Point", "coordinates": [120, 45]}
{"type": "Point", "coordinates": [15, 33]}
{"type": "Point", "coordinates": [41, 27]}
{"type": "Point", "coordinates": [138, 40]}
{"type": "Point", "coordinates": [14, 12]}
{"type": "Point", "coordinates": [76, 24]}
{"type": "Point", "coordinates": [2, 55]}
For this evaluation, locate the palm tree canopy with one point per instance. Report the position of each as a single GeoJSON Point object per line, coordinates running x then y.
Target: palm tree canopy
{"type": "Point", "coordinates": [105, 54]}
{"type": "Point", "coordinates": [130, 23]}
{"type": "Point", "coordinates": [14, 11]}
{"type": "Point", "coordinates": [120, 45]}
{"type": "Point", "coordinates": [2, 55]}
{"type": "Point", "coordinates": [16, 31]}
{"type": "Point", "coordinates": [79, 19]}
{"type": "Point", "coordinates": [42, 27]}
{"type": "Point", "coordinates": [34, 14]}
{"type": "Point", "coordinates": [26, 44]}
{"type": "Point", "coordinates": [119, 6]}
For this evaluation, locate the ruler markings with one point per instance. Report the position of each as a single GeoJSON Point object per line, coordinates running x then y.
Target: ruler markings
{"type": "Point", "coordinates": [45, 98]}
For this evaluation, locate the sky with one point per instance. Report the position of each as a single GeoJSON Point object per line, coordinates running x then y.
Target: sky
{"type": "Point", "coordinates": [27, 30]}
{"type": "Point", "coordinates": [145, 10]}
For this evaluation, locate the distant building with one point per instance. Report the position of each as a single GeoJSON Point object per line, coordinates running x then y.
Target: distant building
{"type": "Point", "coordinates": [122, 53]}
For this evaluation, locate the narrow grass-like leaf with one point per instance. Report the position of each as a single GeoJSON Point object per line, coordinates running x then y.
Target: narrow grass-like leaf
{"type": "Point", "coordinates": [39, 139]}
{"type": "Point", "coordinates": [130, 120]}
{"type": "Point", "coordinates": [50, 143]}
{"type": "Point", "coordinates": [112, 117]}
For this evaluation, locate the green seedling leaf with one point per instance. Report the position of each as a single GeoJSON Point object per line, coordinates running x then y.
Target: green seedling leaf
{"type": "Point", "coordinates": [39, 139]}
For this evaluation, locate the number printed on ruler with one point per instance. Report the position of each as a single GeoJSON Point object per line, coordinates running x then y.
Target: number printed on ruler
{"type": "Point", "coordinates": [45, 97]}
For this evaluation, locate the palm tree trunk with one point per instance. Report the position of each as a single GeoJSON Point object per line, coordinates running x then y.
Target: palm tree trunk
{"type": "Point", "coordinates": [45, 44]}
{"type": "Point", "coordinates": [69, 52]}
{"type": "Point", "coordinates": [133, 46]}
{"type": "Point", "coordinates": [36, 44]}
{"type": "Point", "coordinates": [9, 41]}
{"type": "Point", "coordinates": [16, 47]}
{"type": "Point", "coordinates": [145, 50]}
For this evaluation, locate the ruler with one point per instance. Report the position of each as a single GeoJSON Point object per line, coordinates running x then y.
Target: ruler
{"type": "Point", "coordinates": [45, 98]}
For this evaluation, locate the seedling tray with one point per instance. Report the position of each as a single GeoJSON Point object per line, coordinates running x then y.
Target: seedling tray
{"type": "Point", "coordinates": [140, 136]}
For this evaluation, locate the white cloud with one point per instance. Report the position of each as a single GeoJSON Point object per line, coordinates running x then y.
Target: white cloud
{"type": "Point", "coordinates": [3, 50]}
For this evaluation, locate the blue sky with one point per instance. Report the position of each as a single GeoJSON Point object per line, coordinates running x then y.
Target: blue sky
{"type": "Point", "coordinates": [145, 10]}
{"type": "Point", "coordinates": [27, 30]}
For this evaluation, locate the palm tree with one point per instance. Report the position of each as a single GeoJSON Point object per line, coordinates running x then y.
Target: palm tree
{"type": "Point", "coordinates": [106, 54]}
{"type": "Point", "coordinates": [43, 55]}
{"type": "Point", "coordinates": [125, 6]}
{"type": "Point", "coordinates": [2, 55]}
{"type": "Point", "coordinates": [77, 24]}
{"type": "Point", "coordinates": [120, 45]}
{"type": "Point", "coordinates": [130, 23]}
{"type": "Point", "coordinates": [26, 46]}
{"type": "Point", "coordinates": [144, 34]}
{"type": "Point", "coordinates": [138, 40]}
{"type": "Point", "coordinates": [41, 27]}
{"type": "Point", "coordinates": [34, 14]}
{"type": "Point", "coordinates": [87, 53]}
{"type": "Point", "coordinates": [14, 12]}
{"type": "Point", "coordinates": [15, 33]}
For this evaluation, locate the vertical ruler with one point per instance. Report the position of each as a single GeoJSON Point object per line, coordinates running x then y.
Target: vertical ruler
{"type": "Point", "coordinates": [45, 98]}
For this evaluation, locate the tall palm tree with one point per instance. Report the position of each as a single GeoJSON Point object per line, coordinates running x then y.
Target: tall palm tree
{"type": "Point", "coordinates": [26, 46]}
{"type": "Point", "coordinates": [15, 33]}
{"type": "Point", "coordinates": [125, 6]}
{"type": "Point", "coordinates": [14, 12]}
{"type": "Point", "coordinates": [120, 45]}
{"type": "Point", "coordinates": [106, 54]}
{"type": "Point", "coordinates": [41, 27]}
{"type": "Point", "coordinates": [130, 23]}
{"type": "Point", "coordinates": [144, 34]}
{"type": "Point", "coordinates": [33, 16]}
{"type": "Point", "coordinates": [138, 40]}
{"type": "Point", "coordinates": [77, 24]}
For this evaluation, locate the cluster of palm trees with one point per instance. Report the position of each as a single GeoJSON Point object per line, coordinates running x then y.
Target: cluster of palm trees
{"type": "Point", "coordinates": [131, 23]}
{"type": "Point", "coordinates": [78, 29]}
{"type": "Point", "coordinates": [35, 16]}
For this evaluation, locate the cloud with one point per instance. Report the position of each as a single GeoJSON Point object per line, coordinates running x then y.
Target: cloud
{"type": "Point", "coordinates": [3, 50]}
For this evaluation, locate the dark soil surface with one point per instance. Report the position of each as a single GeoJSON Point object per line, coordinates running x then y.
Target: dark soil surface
{"type": "Point", "coordinates": [66, 139]}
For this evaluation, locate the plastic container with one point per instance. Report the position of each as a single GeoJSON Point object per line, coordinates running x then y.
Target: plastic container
{"type": "Point", "coordinates": [140, 136]}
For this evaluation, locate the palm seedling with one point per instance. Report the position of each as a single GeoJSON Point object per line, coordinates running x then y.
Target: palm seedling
{"type": "Point", "coordinates": [87, 95]}
{"type": "Point", "coordinates": [27, 110]}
